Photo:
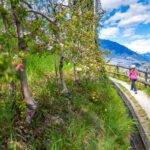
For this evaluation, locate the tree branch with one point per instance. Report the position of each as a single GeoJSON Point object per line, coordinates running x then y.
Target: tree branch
{"type": "Point", "coordinates": [26, 3]}
{"type": "Point", "coordinates": [51, 20]}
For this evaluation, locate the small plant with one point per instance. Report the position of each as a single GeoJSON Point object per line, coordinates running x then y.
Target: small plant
{"type": "Point", "coordinates": [95, 97]}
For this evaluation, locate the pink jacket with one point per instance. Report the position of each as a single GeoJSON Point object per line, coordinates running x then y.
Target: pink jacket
{"type": "Point", "coordinates": [133, 74]}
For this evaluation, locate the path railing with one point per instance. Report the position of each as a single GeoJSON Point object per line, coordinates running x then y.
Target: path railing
{"type": "Point", "coordinates": [144, 76]}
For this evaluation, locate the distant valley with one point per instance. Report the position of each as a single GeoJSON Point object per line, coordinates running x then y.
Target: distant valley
{"type": "Point", "coordinates": [122, 55]}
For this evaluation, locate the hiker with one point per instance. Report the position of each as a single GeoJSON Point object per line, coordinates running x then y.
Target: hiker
{"type": "Point", "coordinates": [133, 75]}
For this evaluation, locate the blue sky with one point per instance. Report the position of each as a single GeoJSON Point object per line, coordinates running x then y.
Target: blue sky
{"type": "Point", "coordinates": [128, 23]}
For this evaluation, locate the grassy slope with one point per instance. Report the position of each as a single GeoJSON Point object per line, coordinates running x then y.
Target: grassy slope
{"type": "Point", "coordinates": [92, 117]}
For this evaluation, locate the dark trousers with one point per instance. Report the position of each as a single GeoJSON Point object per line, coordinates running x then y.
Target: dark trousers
{"type": "Point", "coordinates": [133, 85]}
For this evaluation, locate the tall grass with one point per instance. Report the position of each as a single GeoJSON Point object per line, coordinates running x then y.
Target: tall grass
{"type": "Point", "coordinates": [92, 117]}
{"type": "Point", "coordinates": [147, 90]}
{"type": "Point", "coordinates": [6, 119]}
{"type": "Point", "coordinates": [40, 65]}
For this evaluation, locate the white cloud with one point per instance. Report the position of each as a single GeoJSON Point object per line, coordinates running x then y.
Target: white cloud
{"type": "Point", "coordinates": [140, 46]}
{"type": "Point", "coordinates": [124, 26]}
{"type": "Point", "coordinates": [109, 5]}
{"type": "Point", "coordinates": [136, 14]}
{"type": "Point", "coordinates": [128, 32]}
{"type": "Point", "coordinates": [109, 32]}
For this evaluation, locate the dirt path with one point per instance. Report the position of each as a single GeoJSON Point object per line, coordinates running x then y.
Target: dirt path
{"type": "Point", "coordinates": [141, 97]}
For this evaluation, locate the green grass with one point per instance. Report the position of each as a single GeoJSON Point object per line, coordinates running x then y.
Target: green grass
{"type": "Point", "coordinates": [103, 124]}
{"type": "Point", "coordinates": [147, 90]}
{"type": "Point", "coordinates": [92, 117]}
{"type": "Point", "coordinates": [6, 119]}
{"type": "Point", "coordinates": [39, 65]}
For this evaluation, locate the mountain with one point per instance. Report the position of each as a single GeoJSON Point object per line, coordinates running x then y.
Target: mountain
{"type": "Point", "coordinates": [121, 54]}
{"type": "Point", "coordinates": [118, 49]}
{"type": "Point", "coordinates": [146, 56]}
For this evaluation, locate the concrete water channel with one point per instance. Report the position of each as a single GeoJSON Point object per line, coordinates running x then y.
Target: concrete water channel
{"type": "Point", "coordinates": [136, 141]}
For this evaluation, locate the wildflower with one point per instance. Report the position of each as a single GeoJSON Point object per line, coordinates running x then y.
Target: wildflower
{"type": "Point", "coordinates": [93, 97]}
{"type": "Point", "coordinates": [96, 100]}
{"type": "Point", "coordinates": [19, 67]}
{"type": "Point", "coordinates": [33, 93]}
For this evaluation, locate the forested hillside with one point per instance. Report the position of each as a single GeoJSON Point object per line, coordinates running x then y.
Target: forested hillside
{"type": "Point", "coordinates": [54, 90]}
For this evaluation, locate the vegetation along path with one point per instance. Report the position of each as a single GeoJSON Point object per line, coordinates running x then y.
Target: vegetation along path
{"type": "Point", "coordinates": [139, 105]}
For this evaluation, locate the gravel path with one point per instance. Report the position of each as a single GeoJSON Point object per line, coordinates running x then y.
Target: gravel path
{"type": "Point", "coordinates": [141, 97]}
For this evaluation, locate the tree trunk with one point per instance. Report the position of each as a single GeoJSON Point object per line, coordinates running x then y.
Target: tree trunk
{"type": "Point", "coordinates": [63, 83]}
{"type": "Point", "coordinates": [30, 102]}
